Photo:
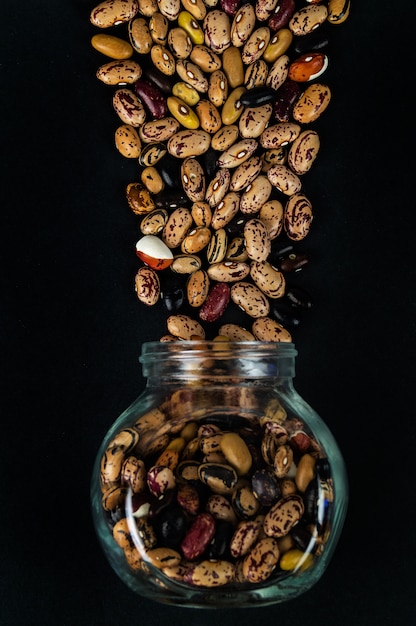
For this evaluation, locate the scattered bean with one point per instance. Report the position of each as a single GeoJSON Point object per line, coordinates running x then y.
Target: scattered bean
{"type": "Point", "coordinates": [213, 109]}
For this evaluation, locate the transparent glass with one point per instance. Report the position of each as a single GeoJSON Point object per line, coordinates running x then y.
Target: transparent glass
{"type": "Point", "coordinates": [219, 486]}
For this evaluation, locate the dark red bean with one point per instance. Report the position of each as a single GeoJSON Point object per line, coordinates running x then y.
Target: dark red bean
{"type": "Point", "coordinates": [230, 7]}
{"type": "Point", "coordinates": [216, 303]}
{"type": "Point", "coordinates": [282, 14]}
{"type": "Point", "coordinates": [285, 99]}
{"type": "Point", "coordinates": [198, 537]}
{"type": "Point", "coordinates": [159, 79]}
{"type": "Point", "coordinates": [152, 98]}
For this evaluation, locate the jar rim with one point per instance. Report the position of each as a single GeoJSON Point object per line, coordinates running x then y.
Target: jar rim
{"type": "Point", "coordinates": [221, 349]}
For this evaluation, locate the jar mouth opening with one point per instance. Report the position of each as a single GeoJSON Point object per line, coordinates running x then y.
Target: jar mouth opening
{"type": "Point", "coordinates": [217, 360]}
{"type": "Point", "coordinates": [191, 349]}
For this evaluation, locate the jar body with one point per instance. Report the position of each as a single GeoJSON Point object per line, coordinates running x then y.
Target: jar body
{"type": "Point", "coordinates": [219, 486]}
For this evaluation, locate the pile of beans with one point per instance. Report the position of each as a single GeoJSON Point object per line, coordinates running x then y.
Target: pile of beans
{"type": "Point", "coordinates": [230, 498]}
{"type": "Point", "coordinates": [216, 101]}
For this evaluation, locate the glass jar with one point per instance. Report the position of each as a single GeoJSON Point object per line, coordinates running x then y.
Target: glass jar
{"type": "Point", "coordinates": [219, 486]}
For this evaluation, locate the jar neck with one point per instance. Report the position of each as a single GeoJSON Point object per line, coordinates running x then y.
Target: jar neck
{"type": "Point", "coordinates": [217, 362]}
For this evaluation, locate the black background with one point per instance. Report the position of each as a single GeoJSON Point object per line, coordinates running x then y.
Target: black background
{"type": "Point", "coordinates": [71, 326]}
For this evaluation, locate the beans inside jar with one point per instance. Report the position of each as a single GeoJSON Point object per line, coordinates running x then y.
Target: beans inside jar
{"type": "Point", "coordinates": [217, 103]}
{"type": "Point", "coordinates": [230, 499]}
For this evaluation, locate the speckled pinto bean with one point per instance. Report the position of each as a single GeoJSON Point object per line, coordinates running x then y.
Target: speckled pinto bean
{"type": "Point", "coordinates": [243, 24]}
{"type": "Point", "coordinates": [312, 103]}
{"type": "Point", "coordinates": [261, 561]}
{"type": "Point", "coordinates": [214, 102]}
{"type": "Point", "coordinates": [147, 286]}
{"type": "Point", "coordinates": [244, 537]}
{"type": "Point", "coordinates": [237, 153]}
{"type": "Point", "coordinates": [267, 329]}
{"type": "Point", "coordinates": [227, 205]}
{"type": "Point", "coordinates": [211, 573]}
{"type": "Point", "coordinates": [246, 173]}
{"type": "Point", "coordinates": [128, 141]}
{"type": "Point", "coordinates": [193, 179]}
{"type": "Point", "coordinates": [284, 179]}
{"type": "Point", "coordinates": [217, 189]}
{"type": "Point", "coordinates": [283, 516]}
{"type": "Point", "coordinates": [303, 151]}
{"type": "Point", "coordinates": [258, 244]}
{"type": "Point", "coordinates": [186, 143]}
{"type": "Point", "coordinates": [250, 299]}
{"type": "Point", "coordinates": [111, 464]}
{"type": "Point", "coordinates": [184, 327]}
{"type": "Point", "coordinates": [228, 271]}
{"type": "Point", "coordinates": [255, 195]}
{"type": "Point", "coordinates": [159, 130]}
{"type": "Point", "coordinates": [269, 279]}
{"type": "Point", "coordinates": [113, 12]}
{"type": "Point", "coordinates": [176, 227]}
{"type": "Point", "coordinates": [128, 107]}
{"type": "Point", "coordinates": [124, 72]}
{"type": "Point", "coordinates": [298, 217]}
{"type": "Point", "coordinates": [217, 30]}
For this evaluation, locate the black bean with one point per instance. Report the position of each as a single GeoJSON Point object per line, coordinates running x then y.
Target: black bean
{"type": "Point", "coordinates": [293, 262]}
{"type": "Point", "coordinates": [170, 170]}
{"type": "Point", "coordinates": [287, 315]}
{"type": "Point", "coordinates": [173, 299]}
{"type": "Point", "coordinates": [265, 487]}
{"type": "Point", "coordinates": [258, 96]}
{"type": "Point", "coordinates": [171, 199]}
{"type": "Point", "coordinates": [316, 40]}
{"type": "Point", "coordinates": [302, 536]}
{"type": "Point", "coordinates": [219, 546]}
{"type": "Point", "coordinates": [170, 526]}
{"type": "Point", "coordinates": [298, 297]}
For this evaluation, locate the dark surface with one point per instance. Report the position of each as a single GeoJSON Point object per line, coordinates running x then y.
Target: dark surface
{"type": "Point", "coordinates": [71, 327]}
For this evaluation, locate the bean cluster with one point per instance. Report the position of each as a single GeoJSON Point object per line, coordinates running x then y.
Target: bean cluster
{"type": "Point", "coordinates": [230, 499]}
{"type": "Point", "coordinates": [216, 99]}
